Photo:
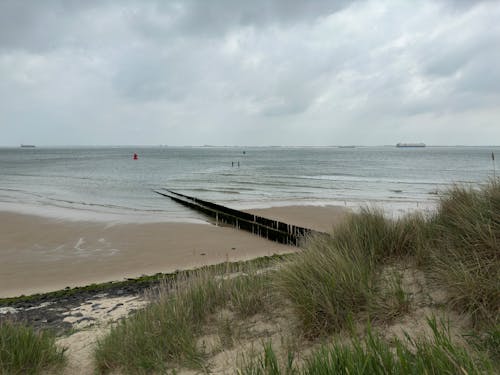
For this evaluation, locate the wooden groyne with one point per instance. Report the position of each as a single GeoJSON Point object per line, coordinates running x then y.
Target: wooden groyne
{"type": "Point", "coordinates": [273, 230]}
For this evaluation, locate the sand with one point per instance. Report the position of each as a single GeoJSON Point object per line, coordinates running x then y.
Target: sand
{"type": "Point", "coordinates": [321, 218]}
{"type": "Point", "coordinates": [40, 254]}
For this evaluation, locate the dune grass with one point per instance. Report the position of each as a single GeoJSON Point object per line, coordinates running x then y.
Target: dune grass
{"type": "Point", "coordinates": [26, 351]}
{"type": "Point", "coordinates": [350, 276]}
{"type": "Point", "coordinates": [337, 277]}
{"type": "Point", "coordinates": [488, 342]}
{"type": "Point", "coordinates": [325, 286]}
{"type": "Point", "coordinates": [466, 260]}
{"type": "Point", "coordinates": [165, 333]}
{"type": "Point", "coordinates": [267, 363]}
{"type": "Point", "coordinates": [372, 355]}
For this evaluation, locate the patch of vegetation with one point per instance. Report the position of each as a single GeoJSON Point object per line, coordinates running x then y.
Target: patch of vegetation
{"type": "Point", "coordinates": [26, 351]}
{"type": "Point", "coordinates": [351, 276]}
{"type": "Point", "coordinates": [249, 295]}
{"type": "Point", "coordinates": [371, 355]}
{"type": "Point", "coordinates": [165, 333]}
{"type": "Point", "coordinates": [327, 283]}
{"type": "Point", "coordinates": [146, 281]}
{"type": "Point", "coordinates": [466, 259]}
{"type": "Point", "coordinates": [337, 277]}
{"type": "Point", "coordinates": [267, 363]}
{"type": "Point", "coordinates": [390, 299]}
{"type": "Point", "coordinates": [488, 342]}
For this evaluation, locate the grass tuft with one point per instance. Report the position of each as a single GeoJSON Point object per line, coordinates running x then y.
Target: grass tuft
{"type": "Point", "coordinates": [250, 294]}
{"type": "Point", "coordinates": [267, 363]}
{"type": "Point", "coordinates": [326, 284]}
{"type": "Point", "coordinates": [373, 355]}
{"type": "Point", "coordinates": [336, 277]}
{"type": "Point", "coordinates": [466, 260]}
{"type": "Point", "coordinates": [165, 333]}
{"type": "Point", "coordinates": [26, 351]}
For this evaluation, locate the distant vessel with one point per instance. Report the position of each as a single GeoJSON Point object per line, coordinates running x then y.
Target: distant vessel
{"type": "Point", "coordinates": [400, 144]}
{"type": "Point", "coordinates": [27, 146]}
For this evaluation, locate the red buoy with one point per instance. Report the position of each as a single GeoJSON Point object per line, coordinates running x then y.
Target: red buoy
{"type": "Point", "coordinates": [135, 156]}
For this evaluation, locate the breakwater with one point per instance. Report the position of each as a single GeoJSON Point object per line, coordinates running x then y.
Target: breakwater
{"type": "Point", "coordinates": [273, 230]}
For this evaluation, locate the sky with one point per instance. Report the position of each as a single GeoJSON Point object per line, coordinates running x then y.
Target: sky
{"type": "Point", "coordinates": [260, 72]}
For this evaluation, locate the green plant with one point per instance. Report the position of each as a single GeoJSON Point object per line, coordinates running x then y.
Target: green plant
{"type": "Point", "coordinates": [336, 276]}
{"type": "Point", "coordinates": [488, 342]}
{"type": "Point", "coordinates": [249, 293]}
{"type": "Point", "coordinates": [267, 363]}
{"type": "Point", "coordinates": [327, 283]}
{"type": "Point", "coordinates": [373, 355]}
{"type": "Point", "coordinates": [26, 351]}
{"type": "Point", "coordinates": [466, 260]}
{"type": "Point", "coordinates": [164, 333]}
{"type": "Point", "coordinates": [390, 300]}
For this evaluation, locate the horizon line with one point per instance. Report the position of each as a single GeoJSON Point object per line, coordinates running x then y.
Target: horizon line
{"type": "Point", "coordinates": [229, 146]}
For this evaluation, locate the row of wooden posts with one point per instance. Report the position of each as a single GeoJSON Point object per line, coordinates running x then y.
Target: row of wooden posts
{"type": "Point", "coordinates": [273, 230]}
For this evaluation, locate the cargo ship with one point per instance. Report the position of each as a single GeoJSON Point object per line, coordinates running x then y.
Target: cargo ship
{"type": "Point", "coordinates": [401, 144]}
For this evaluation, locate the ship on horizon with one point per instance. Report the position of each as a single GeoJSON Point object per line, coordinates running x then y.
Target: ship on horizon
{"type": "Point", "coordinates": [401, 144]}
{"type": "Point", "coordinates": [28, 146]}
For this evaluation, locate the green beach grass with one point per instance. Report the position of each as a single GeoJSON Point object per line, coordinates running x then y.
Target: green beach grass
{"type": "Point", "coordinates": [466, 256]}
{"type": "Point", "coordinates": [349, 284]}
{"type": "Point", "coordinates": [26, 351]}
{"type": "Point", "coordinates": [337, 278]}
{"type": "Point", "coordinates": [372, 355]}
{"type": "Point", "coordinates": [164, 334]}
{"type": "Point", "coordinates": [337, 282]}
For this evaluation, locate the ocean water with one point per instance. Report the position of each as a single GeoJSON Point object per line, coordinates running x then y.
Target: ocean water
{"type": "Point", "coordinates": [104, 183]}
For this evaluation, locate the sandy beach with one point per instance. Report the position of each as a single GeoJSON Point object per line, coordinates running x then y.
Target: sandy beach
{"type": "Point", "coordinates": [41, 254]}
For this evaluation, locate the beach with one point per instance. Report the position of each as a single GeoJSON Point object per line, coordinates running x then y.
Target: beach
{"type": "Point", "coordinates": [41, 254]}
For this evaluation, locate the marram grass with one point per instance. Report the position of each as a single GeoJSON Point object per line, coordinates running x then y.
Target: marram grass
{"type": "Point", "coordinates": [466, 258]}
{"type": "Point", "coordinates": [164, 334]}
{"type": "Point", "coordinates": [334, 282]}
{"type": "Point", "coordinates": [24, 350]}
{"type": "Point", "coordinates": [372, 355]}
{"type": "Point", "coordinates": [336, 277]}
{"type": "Point", "coordinates": [326, 284]}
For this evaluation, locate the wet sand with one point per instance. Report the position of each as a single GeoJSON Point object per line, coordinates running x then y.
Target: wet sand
{"type": "Point", "coordinates": [40, 254]}
{"type": "Point", "coordinates": [321, 218]}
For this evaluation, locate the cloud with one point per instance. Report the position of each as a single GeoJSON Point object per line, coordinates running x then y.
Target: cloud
{"type": "Point", "coordinates": [261, 72]}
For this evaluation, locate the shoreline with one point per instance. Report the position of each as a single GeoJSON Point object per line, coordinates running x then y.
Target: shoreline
{"type": "Point", "coordinates": [40, 254]}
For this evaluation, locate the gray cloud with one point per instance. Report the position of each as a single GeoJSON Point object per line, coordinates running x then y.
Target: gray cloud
{"type": "Point", "coordinates": [213, 18]}
{"type": "Point", "coordinates": [261, 72]}
{"type": "Point", "coordinates": [40, 25]}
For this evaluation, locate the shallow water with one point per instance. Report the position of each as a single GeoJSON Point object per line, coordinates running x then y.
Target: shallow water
{"type": "Point", "coordinates": [104, 183]}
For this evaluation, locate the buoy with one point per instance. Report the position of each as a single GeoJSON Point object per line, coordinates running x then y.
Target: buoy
{"type": "Point", "coordinates": [135, 156]}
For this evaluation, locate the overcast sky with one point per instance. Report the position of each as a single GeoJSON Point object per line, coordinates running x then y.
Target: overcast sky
{"type": "Point", "coordinates": [227, 72]}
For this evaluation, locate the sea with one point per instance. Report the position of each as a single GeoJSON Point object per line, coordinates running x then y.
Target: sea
{"type": "Point", "coordinates": [107, 184]}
